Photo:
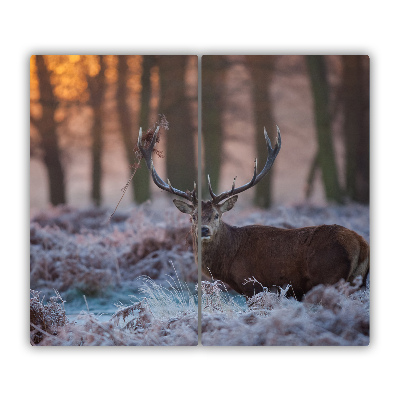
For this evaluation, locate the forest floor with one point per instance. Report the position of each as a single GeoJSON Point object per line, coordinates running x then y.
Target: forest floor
{"type": "Point", "coordinates": [132, 281]}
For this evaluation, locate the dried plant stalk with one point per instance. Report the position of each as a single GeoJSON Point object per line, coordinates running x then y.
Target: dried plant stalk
{"type": "Point", "coordinates": [146, 140]}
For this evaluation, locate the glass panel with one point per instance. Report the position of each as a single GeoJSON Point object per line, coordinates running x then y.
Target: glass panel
{"type": "Point", "coordinates": [117, 252]}
{"type": "Point", "coordinates": [274, 274]}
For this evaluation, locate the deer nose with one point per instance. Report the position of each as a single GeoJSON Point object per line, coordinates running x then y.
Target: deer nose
{"type": "Point", "coordinates": [205, 231]}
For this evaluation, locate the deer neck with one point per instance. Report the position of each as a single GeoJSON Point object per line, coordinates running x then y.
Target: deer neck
{"type": "Point", "coordinates": [194, 231]}
{"type": "Point", "coordinates": [217, 253]}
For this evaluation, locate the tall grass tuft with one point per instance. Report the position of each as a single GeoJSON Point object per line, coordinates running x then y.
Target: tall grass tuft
{"type": "Point", "coordinates": [171, 301]}
{"type": "Point", "coordinates": [166, 315]}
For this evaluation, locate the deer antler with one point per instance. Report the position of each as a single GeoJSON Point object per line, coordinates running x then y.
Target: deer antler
{"type": "Point", "coordinates": [146, 153]}
{"type": "Point", "coordinates": [272, 153]}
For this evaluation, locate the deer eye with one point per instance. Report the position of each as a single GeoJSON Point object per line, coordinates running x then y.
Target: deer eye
{"type": "Point", "coordinates": [216, 216]}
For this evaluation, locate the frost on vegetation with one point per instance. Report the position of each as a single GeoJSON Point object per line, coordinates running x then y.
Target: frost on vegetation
{"type": "Point", "coordinates": [328, 315]}
{"type": "Point", "coordinates": [73, 248]}
{"type": "Point", "coordinates": [167, 318]}
{"type": "Point", "coordinates": [174, 300]}
{"type": "Point", "coordinates": [45, 319]}
{"type": "Point", "coordinates": [261, 303]}
{"type": "Point", "coordinates": [216, 300]}
{"type": "Point", "coordinates": [78, 249]}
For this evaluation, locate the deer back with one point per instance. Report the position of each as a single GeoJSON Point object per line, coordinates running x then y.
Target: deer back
{"type": "Point", "coordinates": [301, 257]}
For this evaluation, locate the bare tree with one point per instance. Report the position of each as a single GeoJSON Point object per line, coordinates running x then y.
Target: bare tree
{"type": "Point", "coordinates": [174, 104]}
{"type": "Point", "coordinates": [325, 154]}
{"type": "Point", "coordinates": [47, 128]}
{"type": "Point", "coordinates": [96, 86]}
{"type": "Point", "coordinates": [262, 69]}
{"type": "Point", "coordinates": [355, 95]}
{"type": "Point", "coordinates": [141, 178]}
{"type": "Point", "coordinates": [213, 72]}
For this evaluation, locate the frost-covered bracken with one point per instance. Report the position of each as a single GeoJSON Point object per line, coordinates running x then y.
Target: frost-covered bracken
{"type": "Point", "coordinates": [77, 249]}
{"type": "Point", "coordinates": [45, 318]}
{"type": "Point", "coordinates": [329, 315]}
{"type": "Point", "coordinates": [168, 317]}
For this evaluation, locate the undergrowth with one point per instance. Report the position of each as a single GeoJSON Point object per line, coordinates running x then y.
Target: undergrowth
{"type": "Point", "coordinates": [46, 319]}
{"type": "Point", "coordinates": [77, 250]}
{"type": "Point", "coordinates": [167, 315]}
{"type": "Point", "coordinates": [328, 315]}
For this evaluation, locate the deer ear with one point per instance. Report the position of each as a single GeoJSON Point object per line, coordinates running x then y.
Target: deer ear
{"type": "Point", "coordinates": [183, 207]}
{"type": "Point", "coordinates": [228, 204]}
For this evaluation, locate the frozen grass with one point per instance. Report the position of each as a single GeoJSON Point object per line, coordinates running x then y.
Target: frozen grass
{"type": "Point", "coordinates": [215, 299]}
{"type": "Point", "coordinates": [328, 315]}
{"type": "Point", "coordinates": [45, 319]}
{"type": "Point", "coordinates": [167, 317]}
{"type": "Point", "coordinates": [77, 250]}
{"type": "Point", "coordinates": [171, 301]}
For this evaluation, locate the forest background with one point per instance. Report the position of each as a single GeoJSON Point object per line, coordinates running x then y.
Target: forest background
{"type": "Point", "coordinates": [86, 112]}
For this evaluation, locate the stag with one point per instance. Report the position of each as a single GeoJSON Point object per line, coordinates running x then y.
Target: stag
{"type": "Point", "coordinates": [265, 255]}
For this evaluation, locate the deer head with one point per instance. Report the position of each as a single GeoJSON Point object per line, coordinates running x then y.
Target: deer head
{"type": "Point", "coordinates": [211, 210]}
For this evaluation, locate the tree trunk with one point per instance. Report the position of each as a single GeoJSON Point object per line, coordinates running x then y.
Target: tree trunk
{"type": "Point", "coordinates": [355, 92]}
{"type": "Point", "coordinates": [174, 104]}
{"type": "Point", "coordinates": [96, 86]}
{"type": "Point", "coordinates": [212, 77]}
{"type": "Point", "coordinates": [124, 112]}
{"type": "Point", "coordinates": [261, 69]}
{"type": "Point", "coordinates": [326, 156]}
{"type": "Point", "coordinates": [47, 128]}
{"type": "Point", "coordinates": [141, 181]}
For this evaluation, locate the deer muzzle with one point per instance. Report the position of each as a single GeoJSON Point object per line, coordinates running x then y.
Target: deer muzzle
{"type": "Point", "coordinates": [205, 232]}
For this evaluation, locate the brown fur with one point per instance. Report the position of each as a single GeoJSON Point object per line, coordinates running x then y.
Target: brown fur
{"type": "Point", "coordinates": [303, 257]}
